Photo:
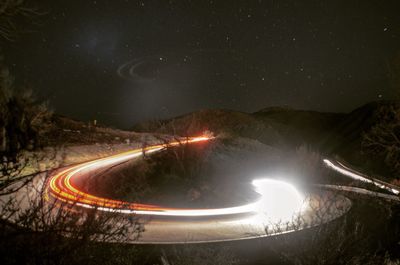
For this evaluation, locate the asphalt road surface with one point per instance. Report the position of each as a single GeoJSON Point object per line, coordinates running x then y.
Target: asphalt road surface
{"type": "Point", "coordinates": [286, 211]}
{"type": "Point", "coordinates": [280, 208]}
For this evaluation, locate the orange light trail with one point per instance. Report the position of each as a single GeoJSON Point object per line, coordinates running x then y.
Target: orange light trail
{"type": "Point", "coordinates": [60, 185]}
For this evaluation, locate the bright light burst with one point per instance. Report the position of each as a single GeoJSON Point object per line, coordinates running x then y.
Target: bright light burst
{"type": "Point", "coordinates": [280, 201]}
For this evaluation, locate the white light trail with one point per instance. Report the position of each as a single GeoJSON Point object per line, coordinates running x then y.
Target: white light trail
{"type": "Point", "coordinates": [278, 200]}
{"type": "Point", "coordinates": [357, 176]}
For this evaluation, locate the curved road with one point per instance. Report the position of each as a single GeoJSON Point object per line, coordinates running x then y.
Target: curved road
{"type": "Point", "coordinates": [280, 208]}
{"type": "Point", "coordinates": [287, 210]}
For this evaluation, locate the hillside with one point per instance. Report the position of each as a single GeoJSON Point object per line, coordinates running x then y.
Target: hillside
{"type": "Point", "coordinates": [275, 126]}
{"type": "Point", "coordinates": [67, 131]}
{"type": "Point", "coordinates": [345, 139]}
{"type": "Point", "coordinates": [332, 134]}
{"type": "Point", "coordinates": [219, 122]}
{"type": "Point", "coordinates": [300, 126]}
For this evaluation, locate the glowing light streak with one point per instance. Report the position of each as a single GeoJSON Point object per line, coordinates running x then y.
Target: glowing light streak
{"type": "Point", "coordinates": [357, 176]}
{"type": "Point", "coordinates": [274, 194]}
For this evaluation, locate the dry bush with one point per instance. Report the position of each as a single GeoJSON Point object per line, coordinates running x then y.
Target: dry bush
{"type": "Point", "coordinates": [22, 117]}
{"type": "Point", "coordinates": [171, 177]}
{"type": "Point", "coordinates": [22, 121]}
{"type": "Point", "coordinates": [198, 254]}
{"type": "Point", "coordinates": [16, 17]}
{"type": "Point", "coordinates": [383, 139]}
{"type": "Point", "coordinates": [308, 162]}
{"type": "Point", "coordinates": [354, 238]}
{"type": "Point", "coordinates": [36, 229]}
{"type": "Point", "coordinates": [305, 165]}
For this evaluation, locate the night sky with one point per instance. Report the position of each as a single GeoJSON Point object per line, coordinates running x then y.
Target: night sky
{"type": "Point", "coordinates": [122, 62]}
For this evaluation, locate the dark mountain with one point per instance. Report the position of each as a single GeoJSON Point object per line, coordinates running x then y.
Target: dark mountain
{"type": "Point", "coordinates": [276, 126]}
{"type": "Point", "coordinates": [345, 139]}
{"type": "Point", "coordinates": [347, 133]}
{"type": "Point", "coordinates": [218, 121]}
{"type": "Point", "coordinates": [331, 133]}
{"type": "Point", "coordinates": [300, 126]}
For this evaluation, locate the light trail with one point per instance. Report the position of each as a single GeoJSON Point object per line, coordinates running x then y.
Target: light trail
{"type": "Point", "coordinates": [344, 170]}
{"type": "Point", "coordinates": [359, 191]}
{"type": "Point", "coordinates": [61, 187]}
{"type": "Point", "coordinates": [281, 208]}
